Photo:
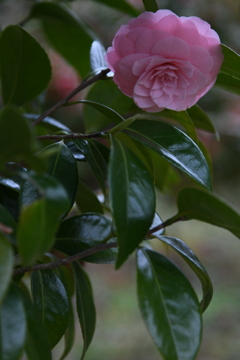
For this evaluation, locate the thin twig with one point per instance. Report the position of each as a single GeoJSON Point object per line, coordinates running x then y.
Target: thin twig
{"type": "Point", "coordinates": [65, 261]}
{"type": "Point", "coordinates": [70, 136]}
{"type": "Point", "coordinates": [83, 85]}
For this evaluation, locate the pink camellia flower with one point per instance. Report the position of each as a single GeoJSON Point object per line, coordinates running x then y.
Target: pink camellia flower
{"type": "Point", "coordinates": [165, 61]}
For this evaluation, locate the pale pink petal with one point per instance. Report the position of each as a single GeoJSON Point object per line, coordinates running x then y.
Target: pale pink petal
{"type": "Point", "coordinates": [169, 23]}
{"type": "Point", "coordinates": [160, 14]}
{"type": "Point", "coordinates": [201, 58]}
{"type": "Point", "coordinates": [141, 90]}
{"type": "Point", "coordinates": [126, 64]}
{"type": "Point", "coordinates": [123, 45]}
{"type": "Point", "coordinates": [124, 29]}
{"type": "Point", "coordinates": [141, 22]}
{"type": "Point", "coordinates": [111, 58]}
{"type": "Point", "coordinates": [143, 102]}
{"type": "Point", "coordinates": [172, 48]}
{"type": "Point", "coordinates": [148, 38]}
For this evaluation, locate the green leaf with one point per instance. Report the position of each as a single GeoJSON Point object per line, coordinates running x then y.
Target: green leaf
{"type": "Point", "coordinates": [231, 63]}
{"type": "Point", "coordinates": [87, 201]}
{"type": "Point", "coordinates": [66, 32]}
{"type": "Point", "coordinates": [184, 119]}
{"type": "Point", "coordinates": [121, 5]}
{"type": "Point", "coordinates": [95, 159]}
{"type": "Point", "coordinates": [82, 232]}
{"type": "Point", "coordinates": [51, 300]}
{"type": "Point", "coordinates": [25, 67]}
{"type": "Point", "coordinates": [48, 122]}
{"type": "Point", "coordinates": [201, 119]}
{"type": "Point", "coordinates": [69, 334]}
{"type": "Point", "coordinates": [188, 255]}
{"type": "Point", "coordinates": [9, 199]}
{"type": "Point", "coordinates": [150, 5]}
{"type": "Point", "coordinates": [108, 94]}
{"type": "Point", "coordinates": [6, 265]}
{"type": "Point", "coordinates": [228, 83]}
{"type": "Point", "coordinates": [36, 226]}
{"type": "Point", "coordinates": [12, 325]}
{"type": "Point", "coordinates": [175, 146]}
{"type": "Point", "coordinates": [132, 199]}
{"type": "Point", "coordinates": [201, 205]}
{"type": "Point", "coordinates": [6, 219]}
{"type": "Point", "coordinates": [16, 140]}
{"type": "Point", "coordinates": [169, 306]}
{"type": "Point", "coordinates": [111, 114]}
{"type": "Point", "coordinates": [62, 166]}
{"type": "Point", "coordinates": [37, 345]}
{"type": "Point", "coordinates": [85, 306]}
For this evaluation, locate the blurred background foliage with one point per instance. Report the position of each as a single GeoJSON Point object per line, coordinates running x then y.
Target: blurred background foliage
{"type": "Point", "coordinates": [120, 333]}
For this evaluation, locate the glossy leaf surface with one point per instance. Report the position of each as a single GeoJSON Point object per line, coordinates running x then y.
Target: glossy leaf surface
{"type": "Point", "coordinates": [82, 232]}
{"type": "Point", "coordinates": [51, 300]}
{"type": "Point", "coordinates": [87, 201]}
{"type": "Point", "coordinates": [6, 265]}
{"type": "Point", "coordinates": [198, 204]}
{"type": "Point", "coordinates": [25, 67]}
{"type": "Point", "coordinates": [36, 227]}
{"type": "Point", "coordinates": [188, 255]}
{"type": "Point", "coordinates": [175, 146]}
{"type": "Point", "coordinates": [69, 334]}
{"type": "Point", "coordinates": [228, 83]}
{"type": "Point", "coordinates": [132, 199]}
{"type": "Point", "coordinates": [37, 344]}
{"type": "Point", "coordinates": [169, 306]}
{"type": "Point", "coordinates": [231, 63]}
{"type": "Point", "coordinates": [66, 32]}
{"type": "Point", "coordinates": [201, 119]}
{"type": "Point", "coordinates": [12, 325]}
{"type": "Point", "coordinates": [85, 306]}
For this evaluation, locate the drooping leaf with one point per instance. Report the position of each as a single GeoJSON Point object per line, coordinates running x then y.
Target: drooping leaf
{"type": "Point", "coordinates": [48, 122]}
{"type": "Point", "coordinates": [121, 5]}
{"type": "Point", "coordinates": [37, 344]}
{"type": "Point", "coordinates": [150, 5]}
{"type": "Point", "coordinates": [201, 205]}
{"type": "Point", "coordinates": [95, 159]}
{"type": "Point", "coordinates": [132, 199]}
{"type": "Point", "coordinates": [188, 255]}
{"type": "Point", "coordinates": [169, 306]}
{"type": "Point", "coordinates": [66, 32]}
{"type": "Point", "coordinates": [82, 232]}
{"type": "Point", "coordinates": [175, 146]}
{"type": "Point", "coordinates": [12, 325]}
{"type": "Point", "coordinates": [108, 94]}
{"type": "Point", "coordinates": [231, 63]}
{"type": "Point", "coordinates": [51, 300]}
{"type": "Point", "coordinates": [85, 306]}
{"type": "Point", "coordinates": [201, 119]}
{"type": "Point", "coordinates": [87, 201]}
{"type": "Point", "coordinates": [6, 265]}
{"type": "Point", "coordinates": [228, 83]}
{"type": "Point", "coordinates": [40, 215]}
{"type": "Point", "coordinates": [78, 155]}
{"type": "Point", "coordinates": [69, 334]}
{"type": "Point", "coordinates": [25, 67]}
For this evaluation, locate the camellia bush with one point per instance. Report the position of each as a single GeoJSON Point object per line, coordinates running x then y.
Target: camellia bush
{"type": "Point", "coordinates": [158, 67]}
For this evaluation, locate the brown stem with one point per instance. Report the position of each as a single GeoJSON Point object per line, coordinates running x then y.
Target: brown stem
{"type": "Point", "coordinates": [166, 223]}
{"type": "Point", "coordinates": [65, 261]}
{"type": "Point", "coordinates": [83, 85]}
{"type": "Point", "coordinates": [69, 136]}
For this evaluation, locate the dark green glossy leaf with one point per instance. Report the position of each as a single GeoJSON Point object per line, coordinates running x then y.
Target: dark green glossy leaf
{"type": "Point", "coordinates": [198, 204]}
{"type": "Point", "coordinates": [7, 220]}
{"type": "Point", "coordinates": [16, 140]}
{"type": "Point", "coordinates": [156, 222]}
{"type": "Point", "coordinates": [36, 226]}
{"type": "Point", "coordinates": [97, 60]}
{"type": "Point", "coordinates": [95, 159]}
{"type": "Point", "coordinates": [9, 199]}
{"type": "Point", "coordinates": [228, 83]}
{"type": "Point", "coordinates": [188, 255]}
{"type": "Point", "coordinates": [62, 166]}
{"type": "Point", "coordinates": [85, 306]}
{"type": "Point", "coordinates": [175, 146]}
{"type": "Point", "coordinates": [69, 334]}
{"type": "Point", "coordinates": [121, 5]}
{"type": "Point", "coordinates": [231, 63]}
{"type": "Point", "coordinates": [25, 67]}
{"type": "Point", "coordinates": [12, 325]}
{"type": "Point", "coordinates": [132, 199]}
{"type": "Point", "coordinates": [37, 344]}
{"type": "Point", "coordinates": [201, 119]}
{"type": "Point", "coordinates": [150, 5]}
{"type": "Point", "coordinates": [48, 122]}
{"type": "Point", "coordinates": [82, 232]}
{"type": "Point", "coordinates": [183, 118]}
{"type": "Point", "coordinates": [51, 300]}
{"type": "Point", "coordinates": [6, 265]}
{"type": "Point", "coordinates": [108, 94]}
{"type": "Point", "coordinates": [169, 306]}
{"type": "Point", "coordinates": [87, 201]}
{"type": "Point", "coordinates": [67, 33]}
{"type": "Point", "coordinates": [78, 155]}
